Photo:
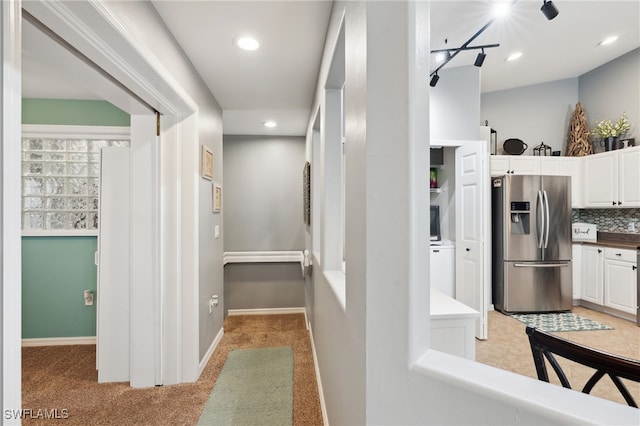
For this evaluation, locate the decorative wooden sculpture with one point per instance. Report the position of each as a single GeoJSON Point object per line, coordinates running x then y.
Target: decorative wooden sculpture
{"type": "Point", "coordinates": [579, 144]}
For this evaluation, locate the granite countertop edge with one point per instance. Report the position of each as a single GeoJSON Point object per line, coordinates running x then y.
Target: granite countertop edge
{"type": "Point", "coordinates": [615, 240]}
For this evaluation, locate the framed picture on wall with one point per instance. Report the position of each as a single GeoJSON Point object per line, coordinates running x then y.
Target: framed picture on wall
{"type": "Point", "coordinates": [206, 163]}
{"type": "Point", "coordinates": [217, 198]}
{"type": "Point", "coordinates": [306, 192]}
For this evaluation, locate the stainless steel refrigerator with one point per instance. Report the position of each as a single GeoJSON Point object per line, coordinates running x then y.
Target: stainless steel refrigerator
{"type": "Point", "coordinates": [531, 218]}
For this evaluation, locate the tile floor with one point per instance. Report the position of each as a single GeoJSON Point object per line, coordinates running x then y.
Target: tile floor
{"type": "Point", "coordinates": [508, 348]}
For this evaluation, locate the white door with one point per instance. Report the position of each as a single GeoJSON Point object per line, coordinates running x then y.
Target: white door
{"type": "Point", "coordinates": [472, 229]}
{"type": "Point", "coordinates": [112, 322]}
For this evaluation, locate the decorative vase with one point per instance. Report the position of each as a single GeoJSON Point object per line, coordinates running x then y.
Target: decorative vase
{"type": "Point", "coordinates": [610, 143]}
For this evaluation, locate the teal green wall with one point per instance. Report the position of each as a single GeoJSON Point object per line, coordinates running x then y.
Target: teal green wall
{"type": "Point", "coordinates": [72, 112]}
{"type": "Point", "coordinates": [57, 270]}
{"type": "Point", "coordinates": [55, 273]}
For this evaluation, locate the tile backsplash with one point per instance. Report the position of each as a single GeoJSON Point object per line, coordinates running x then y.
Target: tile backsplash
{"type": "Point", "coordinates": [609, 220]}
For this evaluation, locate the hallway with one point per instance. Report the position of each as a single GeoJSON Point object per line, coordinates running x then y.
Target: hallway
{"type": "Point", "coordinates": [64, 379]}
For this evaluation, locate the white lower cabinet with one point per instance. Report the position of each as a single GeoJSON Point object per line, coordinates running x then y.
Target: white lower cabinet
{"type": "Point", "coordinates": [620, 278]}
{"type": "Point", "coordinates": [576, 264]}
{"type": "Point", "coordinates": [609, 277]}
{"type": "Point", "coordinates": [443, 269]}
{"type": "Point", "coordinates": [592, 276]}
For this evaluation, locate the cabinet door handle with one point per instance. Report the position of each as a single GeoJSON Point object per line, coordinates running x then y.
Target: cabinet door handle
{"type": "Point", "coordinates": [613, 203]}
{"type": "Point", "coordinates": [468, 249]}
{"type": "Point", "coordinates": [435, 251]}
{"type": "Point", "coordinates": [599, 251]}
{"type": "Point", "coordinates": [618, 254]}
{"type": "Point", "coordinates": [634, 267]}
{"type": "Point", "coordinates": [619, 203]}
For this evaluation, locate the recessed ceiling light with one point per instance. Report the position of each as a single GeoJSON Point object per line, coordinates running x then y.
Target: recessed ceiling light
{"type": "Point", "coordinates": [270, 124]}
{"type": "Point", "coordinates": [608, 40]}
{"type": "Point", "coordinates": [246, 43]}
{"type": "Point", "coordinates": [514, 56]}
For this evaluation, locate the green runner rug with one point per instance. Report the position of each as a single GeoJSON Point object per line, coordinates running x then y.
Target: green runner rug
{"type": "Point", "coordinates": [553, 322]}
{"type": "Point", "coordinates": [255, 387]}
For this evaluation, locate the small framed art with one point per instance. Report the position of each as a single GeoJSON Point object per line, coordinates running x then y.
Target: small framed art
{"type": "Point", "coordinates": [217, 198]}
{"type": "Point", "coordinates": [206, 163]}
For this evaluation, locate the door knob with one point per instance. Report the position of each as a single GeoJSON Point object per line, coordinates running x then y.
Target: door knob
{"type": "Point", "coordinates": [468, 249]}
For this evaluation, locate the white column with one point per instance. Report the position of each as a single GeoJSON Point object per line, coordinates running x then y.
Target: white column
{"type": "Point", "coordinates": [145, 312]}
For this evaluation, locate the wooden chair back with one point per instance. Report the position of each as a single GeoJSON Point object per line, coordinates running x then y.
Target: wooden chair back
{"type": "Point", "coordinates": [545, 345]}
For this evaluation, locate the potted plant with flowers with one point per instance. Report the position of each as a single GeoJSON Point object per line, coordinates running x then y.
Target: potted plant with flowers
{"type": "Point", "coordinates": [609, 132]}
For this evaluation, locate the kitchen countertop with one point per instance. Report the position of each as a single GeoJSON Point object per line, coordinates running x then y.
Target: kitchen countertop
{"type": "Point", "coordinates": [615, 240]}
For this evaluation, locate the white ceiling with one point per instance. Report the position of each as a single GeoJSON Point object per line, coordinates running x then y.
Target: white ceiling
{"type": "Point", "coordinates": [278, 80]}
{"type": "Point", "coordinates": [565, 47]}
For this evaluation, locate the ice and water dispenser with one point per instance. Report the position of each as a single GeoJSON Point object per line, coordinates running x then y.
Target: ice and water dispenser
{"type": "Point", "coordinates": [520, 217]}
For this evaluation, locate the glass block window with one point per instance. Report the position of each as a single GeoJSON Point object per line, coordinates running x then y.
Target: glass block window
{"type": "Point", "coordinates": [60, 182]}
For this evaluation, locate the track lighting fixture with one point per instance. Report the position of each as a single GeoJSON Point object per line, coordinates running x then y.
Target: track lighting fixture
{"type": "Point", "coordinates": [434, 80]}
{"type": "Point", "coordinates": [480, 59]}
{"type": "Point", "coordinates": [448, 54]}
{"type": "Point", "coordinates": [549, 9]}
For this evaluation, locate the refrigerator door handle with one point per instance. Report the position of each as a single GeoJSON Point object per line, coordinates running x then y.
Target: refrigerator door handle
{"type": "Point", "coordinates": [547, 219]}
{"type": "Point", "coordinates": [540, 265]}
{"type": "Point", "coordinates": [540, 218]}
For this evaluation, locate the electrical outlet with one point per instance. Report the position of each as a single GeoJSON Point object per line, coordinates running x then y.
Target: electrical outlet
{"type": "Point", "coordinates": [88, 298]}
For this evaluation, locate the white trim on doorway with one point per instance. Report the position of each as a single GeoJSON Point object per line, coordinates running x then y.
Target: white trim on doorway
{"type": "Point", "coordinates": [99, 33]}
{"type": "Point", "coordinates": [11, 263]}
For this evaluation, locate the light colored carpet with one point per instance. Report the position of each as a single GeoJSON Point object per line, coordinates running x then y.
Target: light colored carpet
{"type": "Point", "coordinates": [553, 322]}
{"type": "Point", "coordinates": [255, 387]}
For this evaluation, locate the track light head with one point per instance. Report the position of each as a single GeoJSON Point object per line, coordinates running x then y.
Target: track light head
{"type": "Point", "coordinates": [480, 59]}
{"type": "Point", "coordinates": [549, 9]}
{"type": "Point", "coordinates": [434, 80]}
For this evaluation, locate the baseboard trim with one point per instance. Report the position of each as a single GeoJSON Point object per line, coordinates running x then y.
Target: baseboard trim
{"type": "Point", "coordinates": [210, 352]}
{"type": "Point", "coordinates": [323, 406]}
{"type": "Point", "coordinates": [59, 341]}
{"type": "Point", "coordinates": [607, 310]}
{"type": "Point", "coordinates": [267, 311]}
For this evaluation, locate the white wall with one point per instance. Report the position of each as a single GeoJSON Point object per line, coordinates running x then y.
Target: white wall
{"type": "Point", "coordinates": [374, 360]}
{"type": "Point", "coordinates": [534, 114]}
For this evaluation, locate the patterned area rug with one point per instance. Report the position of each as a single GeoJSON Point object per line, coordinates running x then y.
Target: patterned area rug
{"type": "Point", "coordinates": [560, 322]}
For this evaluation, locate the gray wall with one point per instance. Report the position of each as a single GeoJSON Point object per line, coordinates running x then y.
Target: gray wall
{"type": "Point", "coordinates": [263, 206]}
{"type": "Point", "coordinates": [611, 89]}
{"type": "Point", "coordinates": [535, 114]}
{"type": "Point", "coordinates": [456, 95]}
{"type": "Point", "coordinates": [543, 112]}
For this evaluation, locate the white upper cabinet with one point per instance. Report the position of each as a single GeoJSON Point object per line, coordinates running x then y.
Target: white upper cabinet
{"type": "Point", "coordinates": [565, 166]}
{"type": "Point", "coordinates": [534, 165]}
{"type": "Point", "coordinates": [629, 177]}
{"type": "Point", "coordinates": [612, 179]}
{"type": "Point", "coordinates": [601, 180]}
{"type": "Point", "coordinates": [514, 164]}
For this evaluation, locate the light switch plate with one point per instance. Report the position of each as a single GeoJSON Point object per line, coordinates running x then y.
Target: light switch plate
{"type": "Point", "coordinates": [216, 231]}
